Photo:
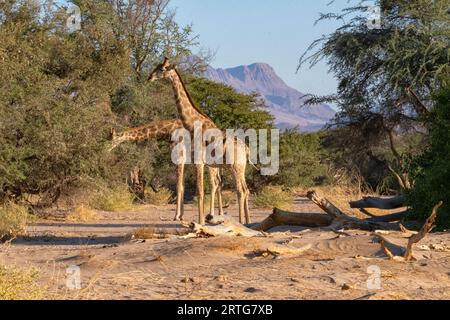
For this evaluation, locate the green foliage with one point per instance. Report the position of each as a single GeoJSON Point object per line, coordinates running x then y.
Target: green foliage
{"type": "Point", "coordinates": [376, 70]}
{"type": "Point", "coordinates": [228, 108]}
{"type": "Point", "coordinates": [432, 169]}
{"type": "Point", "coordinates": [301, 161]}
{"type": "Point", "coordinates": [61, 92]}
{"type": "Point", "coordinates": [273, 197]}
{"type": "Point", "coordinates": [53, 123]}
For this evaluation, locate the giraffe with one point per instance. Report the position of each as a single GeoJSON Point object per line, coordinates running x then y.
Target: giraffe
{"type": "Point", "coordinates": [164, 129]}
{"type": "Point", "coordinates": [190, 114]}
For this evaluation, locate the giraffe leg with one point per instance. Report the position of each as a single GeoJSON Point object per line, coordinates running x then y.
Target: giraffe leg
{"type": "Point", "coordinates": [180, 193]}
{"type": "Point", "coordinates": [200, 193]}
{"type": "Point", "coordinates": [240, 194]}
{"type": "Point", "coordinates": [246, 198]}
{"type": "Point", "coordinates": [213, 172]}
{"type": "Point", "coordinates": [219, 193]}
{"type": "Point", "coordinates": [240, 172]}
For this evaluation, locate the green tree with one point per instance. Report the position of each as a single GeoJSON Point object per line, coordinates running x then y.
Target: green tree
{"type": "Point", "coordinates": [228, 108]}
{"type": "Point", "coordinates": [432, 169]}
{"type": "Point", "coordinates": [386, 76]}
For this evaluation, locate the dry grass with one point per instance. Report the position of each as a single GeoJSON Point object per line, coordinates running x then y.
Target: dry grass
{"type": "Point", "coordinates": [115, 199]}
{"type": "Point", "coordinates": [20, 284]}
{"type": "Point", "coordinates": [13, 220]}
{"type": "Point", "coordinates": [273, 197]}
{"type": "Point", "coordinates": [162, 197]}
{"type": "Point", "coordinates": [341, 195]}
{"type": "Point", "coordinates": [82, 213]}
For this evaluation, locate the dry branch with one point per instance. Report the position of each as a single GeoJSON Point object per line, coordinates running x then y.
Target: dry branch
{"type": "Point", "coordinates": [342, 220]}
{"type": "Point", "coordinates": [223, 226]}
{"type": "Point", "coordinates": [406, 254]}
{"type": "Point", "coordinates": [325, 205]}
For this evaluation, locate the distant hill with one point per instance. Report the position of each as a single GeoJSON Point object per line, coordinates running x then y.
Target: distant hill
{"type": "Point", "coordinates": [284, 102]}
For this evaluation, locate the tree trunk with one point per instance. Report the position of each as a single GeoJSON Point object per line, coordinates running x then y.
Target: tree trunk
{"type": "Point", "coordinates": [280, 217]}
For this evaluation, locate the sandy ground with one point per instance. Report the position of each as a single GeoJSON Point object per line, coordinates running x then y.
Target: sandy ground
{"type": "Point", "coordinates": [115, 266]}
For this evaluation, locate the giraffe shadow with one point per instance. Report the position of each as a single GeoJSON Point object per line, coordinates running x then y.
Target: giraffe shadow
{"type": "Point", "coordinates": [49, 240]}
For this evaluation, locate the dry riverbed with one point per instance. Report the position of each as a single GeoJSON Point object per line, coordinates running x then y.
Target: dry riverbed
{"type": "Point", "coordinates": [114, 265]}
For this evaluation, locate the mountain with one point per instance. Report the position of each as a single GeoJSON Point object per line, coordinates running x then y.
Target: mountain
{"type": "Point", "coordinates": [284, 103]}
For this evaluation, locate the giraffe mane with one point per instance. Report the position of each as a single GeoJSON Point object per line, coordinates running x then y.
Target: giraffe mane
{"type": "Point", "coordinates": [190, 98]}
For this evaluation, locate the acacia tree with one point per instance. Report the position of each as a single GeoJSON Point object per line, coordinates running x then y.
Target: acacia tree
{"type": "Point", "coordinates": [151, 31]}
{"type": "Point", "coordinates": [386, 76]}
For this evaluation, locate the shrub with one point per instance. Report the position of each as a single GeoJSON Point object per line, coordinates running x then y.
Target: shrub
{"type": "Point", "coordinates": [13, 220]}
{"type": "Point", "coordinates": [82, 213]}
{"type": "Point", "coordinates": [162, 197]}
{"type": "Point", "coordinates": [20, 284]}
{"type": "Point", "coordinates": [431, 171]}
{"type": "Point", "coordinates": [112, 199]}
{"type": "Point", "coordinates": [273, 197]}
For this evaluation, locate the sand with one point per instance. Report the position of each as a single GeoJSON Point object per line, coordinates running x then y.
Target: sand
{"type": "Point", "coordinates": [114, 265]}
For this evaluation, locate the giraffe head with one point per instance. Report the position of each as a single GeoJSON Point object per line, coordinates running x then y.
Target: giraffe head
{"type": "Point", "coordinates": [162, 71]}
{"type": "Point", "coordinates": [115, 138]}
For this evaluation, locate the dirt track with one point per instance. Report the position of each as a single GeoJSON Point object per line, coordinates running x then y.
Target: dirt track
{"type": "Point", "coordinates": [114, 266]}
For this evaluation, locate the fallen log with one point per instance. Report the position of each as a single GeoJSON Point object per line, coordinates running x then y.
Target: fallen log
{"type": "Point", "coordinates": [379, 203]}
{"type": "Point", "coordinates": [398, 253]}
{"type": "Point", "coordinates": [280, 217]}
{"type": "Point", "coordinates": [344, 221]}
{"type": "Point", "coordinates": [333, 211]}
{"type": "Point", "coordinates": [334, 219]}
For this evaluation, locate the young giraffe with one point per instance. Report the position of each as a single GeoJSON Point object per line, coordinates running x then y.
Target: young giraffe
{"type": "Point", "coordinates": [164, 129]}
{"type": "Point", "coordinates": [190, 114]}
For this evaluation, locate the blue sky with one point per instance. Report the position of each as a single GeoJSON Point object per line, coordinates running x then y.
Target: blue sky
{"type": "Point", "coordinates": [272, 31]}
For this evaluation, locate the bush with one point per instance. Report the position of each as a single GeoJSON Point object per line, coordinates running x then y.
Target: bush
{"type": "Point", "coordinates": [162, 197]}
{"type": "Point", "coordinates": [13, 220]}
{"type": "Point", "coordinates": [300, 162]}
{"type": "Point", "coordinates": [432, 169]}
{"type": "Point", "coordinates": [20, 284]}
{"type": "Point", "coordinates": [112, 199]}
{"type": "Point", "coordinates": [273, 197]}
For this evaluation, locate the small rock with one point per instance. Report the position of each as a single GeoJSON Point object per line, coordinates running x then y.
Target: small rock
{"type": "Point", "coordinates": [346, 287]}
{"type": "Point", "coordinates": [251, 290]}
{"type": "Point", "coordinates": [187, 280]}
{"type": "Point", "coordinates": [295, 280]}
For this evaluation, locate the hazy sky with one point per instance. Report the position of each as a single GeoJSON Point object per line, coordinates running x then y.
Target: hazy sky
{"type": "Point", "coordinates": [272, 31]}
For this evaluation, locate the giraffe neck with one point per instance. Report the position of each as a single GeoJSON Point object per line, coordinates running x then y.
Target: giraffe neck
{"type": "Point", "coordinates": [161, 129]}
{"type": "Point", "coordinates": [189, 113]}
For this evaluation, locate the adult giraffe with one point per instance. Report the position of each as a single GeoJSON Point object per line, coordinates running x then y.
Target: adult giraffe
{"type": "Point", "coordinates": [164, 129]}
{"type": "Point", "coordinates": [190, 114]}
